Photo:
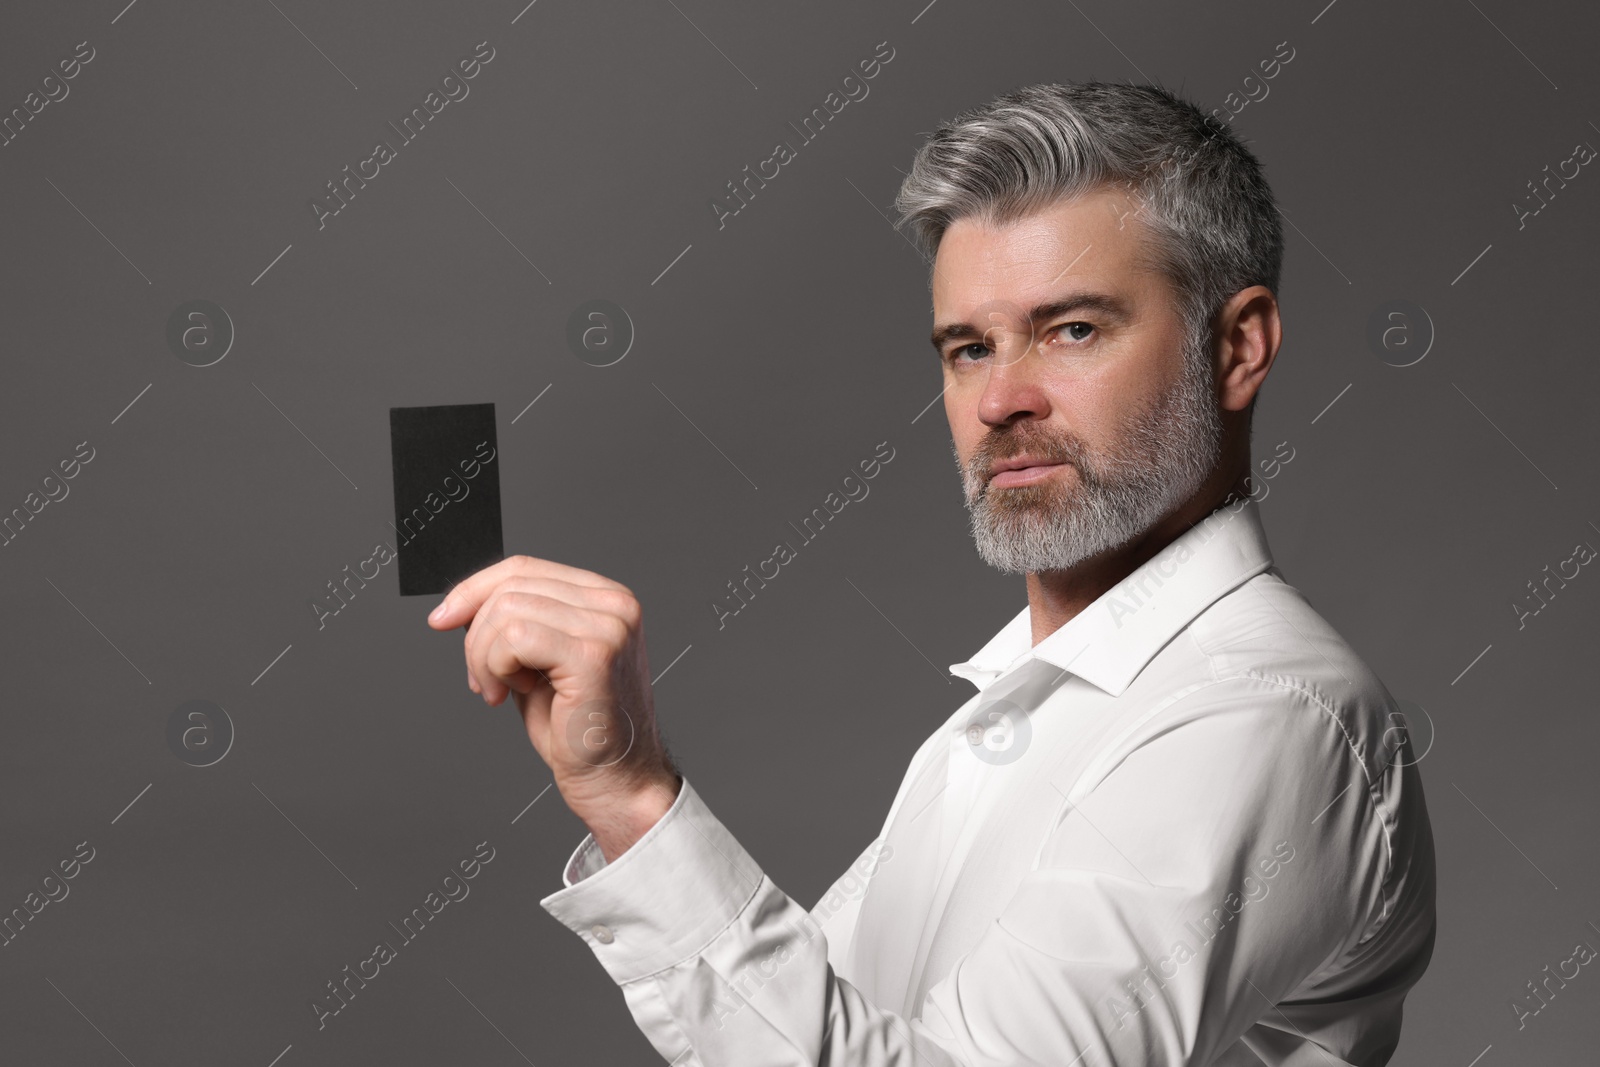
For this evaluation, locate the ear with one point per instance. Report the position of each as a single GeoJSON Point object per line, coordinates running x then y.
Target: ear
{"type": "Point", "coordinates": [1249, 333]}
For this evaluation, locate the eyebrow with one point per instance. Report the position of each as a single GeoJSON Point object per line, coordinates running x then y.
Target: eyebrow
{"type": "Point", "coordinates": [1106, 304]}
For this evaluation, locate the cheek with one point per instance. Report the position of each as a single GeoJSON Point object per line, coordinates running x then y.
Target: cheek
{"type": "Point", "coordinates": [1106, 399]}
{"type": "Point", "coordinates": [1090, 403]}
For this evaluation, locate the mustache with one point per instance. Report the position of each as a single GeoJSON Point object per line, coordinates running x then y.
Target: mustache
{"type": "Point", "coordinates": [996, 448]}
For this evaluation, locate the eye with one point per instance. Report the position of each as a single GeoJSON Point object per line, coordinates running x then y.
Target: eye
{"type": "Point", "coordinates": [1070, 326]}
{"type": "Point", "coordinates": [955, 353]}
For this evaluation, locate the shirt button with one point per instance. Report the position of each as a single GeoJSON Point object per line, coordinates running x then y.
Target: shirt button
{"type": "Point", "coordinates": [602, 933]}
{"type": "Point", "coordinates": [975, 734]}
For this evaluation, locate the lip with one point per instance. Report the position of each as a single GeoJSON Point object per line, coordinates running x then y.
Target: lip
{"type": "Point", "coordinates": [1018, 461]}
{"type": "Point", "coordinates": [1008, 473]}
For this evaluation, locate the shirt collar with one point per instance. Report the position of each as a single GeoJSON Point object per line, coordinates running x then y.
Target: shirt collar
{"type": "Point", "coordinates": [1110, 641]}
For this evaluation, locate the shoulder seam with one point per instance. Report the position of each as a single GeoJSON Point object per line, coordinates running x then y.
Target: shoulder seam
{"type": "Point", "coordinates": [1374, 793]}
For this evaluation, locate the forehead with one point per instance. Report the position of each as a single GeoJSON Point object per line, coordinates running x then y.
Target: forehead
{"type": "Point", "coordinates": [1095, 236]}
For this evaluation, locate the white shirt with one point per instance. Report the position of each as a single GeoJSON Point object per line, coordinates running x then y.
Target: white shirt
{"type": "Point", "coordinates": [1194, 833]}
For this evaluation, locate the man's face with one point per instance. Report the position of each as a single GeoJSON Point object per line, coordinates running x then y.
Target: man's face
{"type": "Point", "coordinates": [1119, 420]}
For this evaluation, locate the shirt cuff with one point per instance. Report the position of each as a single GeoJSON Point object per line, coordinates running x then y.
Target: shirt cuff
{"type": "Point", "coordinates": [586, 859]}
{"type": "Point", "coordinates": [663, 900]}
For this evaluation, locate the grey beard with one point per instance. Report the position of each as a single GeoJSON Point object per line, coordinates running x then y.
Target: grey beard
{"type": "Point", "coordinates": [1166, 455]}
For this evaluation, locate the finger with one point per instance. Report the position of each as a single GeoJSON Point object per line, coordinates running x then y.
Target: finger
{"type": "Point", "coordinates": [599, 601]}
{"type": "Point", "coordinates": [605, 602]}
{"type": "Point", "coordinates": [527, 680]}
{"type": "Point", "coordinates": [470, 593]}
{"type": "Point", "coordinates": [493, 643]}
{"type": "Point", "coordinates": [519, 644]}
{"type": "Point", "coordinates": [613, 599]}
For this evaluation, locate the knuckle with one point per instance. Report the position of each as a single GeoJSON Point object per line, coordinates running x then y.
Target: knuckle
{"type": "Point", "coordinates": [626, 607]}
{"type": "Point", "coordinates": [516, 632]}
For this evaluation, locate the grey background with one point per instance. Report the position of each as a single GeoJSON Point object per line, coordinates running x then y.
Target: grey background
{"type": "Point", "coordinates": [791, 342]}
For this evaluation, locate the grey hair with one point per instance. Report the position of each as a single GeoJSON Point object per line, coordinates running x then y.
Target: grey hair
{"type": "Point", "coordinates": [1203, 198]}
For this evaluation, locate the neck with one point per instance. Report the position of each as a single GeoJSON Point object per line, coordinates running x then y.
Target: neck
{"type": "Point", "coordinates": [1056, 597]}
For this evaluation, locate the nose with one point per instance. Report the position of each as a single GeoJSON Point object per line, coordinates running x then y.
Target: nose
{"type": "Point", "coordinates": [1013, 389]}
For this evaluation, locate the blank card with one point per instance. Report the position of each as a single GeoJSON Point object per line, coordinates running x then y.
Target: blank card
{"type": "Point", "coordinates": [446, 494]}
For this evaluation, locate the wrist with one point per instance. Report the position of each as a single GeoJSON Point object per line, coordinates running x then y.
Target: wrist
{"type": "Point", "coordinates": [619, 817]}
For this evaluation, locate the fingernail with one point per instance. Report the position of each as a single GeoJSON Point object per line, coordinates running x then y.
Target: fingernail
{"type": "Point", "coordinates": [439, 612]}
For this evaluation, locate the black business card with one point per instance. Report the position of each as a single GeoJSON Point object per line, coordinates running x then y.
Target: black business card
{"type": "Point", "coordinates": [446, 494]}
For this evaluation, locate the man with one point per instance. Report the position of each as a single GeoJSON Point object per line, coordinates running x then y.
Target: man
{"type": "Point", "coordinates": [1180, 822]}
